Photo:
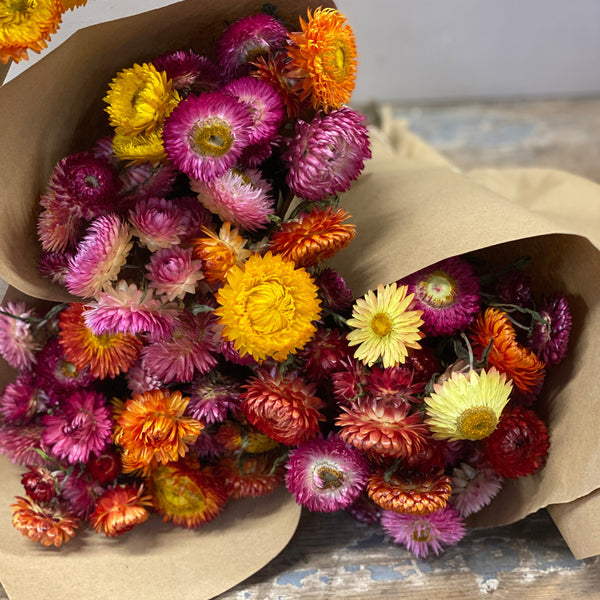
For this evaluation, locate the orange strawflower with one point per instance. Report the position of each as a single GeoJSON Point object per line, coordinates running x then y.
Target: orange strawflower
{"type": "Point", "coordinates": [323, 58]}
{"type": "Point", "coordinates": [120, 509]}
{"type": "Point", "coordinates": [525, 369]}
{"type": "Point", "coordinates": [313, 237]}
{"type": "Point", "coordinates": [47, 524]}
{"type": "Point", "coordinates": [220, 253]}
{"type": "Point", "coordinates": [413, 495]}
{"type": "Point", "coordinates": [152, 430]}
{"type": "Point", "coordinates": [186, 495]}
{"type": "Point", "coordinates": [27, 26]}
{"type": "Point", "coordinates": [106, 355]}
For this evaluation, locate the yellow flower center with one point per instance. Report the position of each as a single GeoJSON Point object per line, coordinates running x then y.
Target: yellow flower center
{"type": "Point", "coordinates": [212, 138]}
{"type": "Point", "coordinates": [68, 369]}
{"type": "Point", "coordinates": [476, 423]}
{"type": "Point", "coordinates": [336, 61]}
{"type": "Point", "coordinates": [21, 8]}
{"type": "Point", "coordinates": [381, 324]}
{"type": "Point", "coordinates": [270, 307]}
{"type": "Point", "coordinates": [328, 478]}
{"type": "Point", "coordinates": [422, 533]}
{"type": "Point", "coordinates": [439, 290]}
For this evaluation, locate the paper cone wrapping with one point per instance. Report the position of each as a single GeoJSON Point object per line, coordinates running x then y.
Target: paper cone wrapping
{"type": "Point", "coordinates": [53, 109]}
{"type": "Point", "coordinates": [413, 208]}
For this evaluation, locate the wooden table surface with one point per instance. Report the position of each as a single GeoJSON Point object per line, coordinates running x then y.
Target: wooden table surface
{"type": "Point", "coordinates": [333, 556]}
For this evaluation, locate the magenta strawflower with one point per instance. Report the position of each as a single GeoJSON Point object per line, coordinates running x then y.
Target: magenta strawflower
{"type": "Point", "coordinates": [327, 154]}
{"type": "Point", "coordinates": [191, 349]}
{"type": "Point", "coordinates": [205, 135]}
{"type": "Point", "coordinates": [333, 291]}
{"type": "Point", "coordinates": [17, 342]}
{"type": "Point", "coordinates": [263, 102]}
{"type": "Point", "coordinates": [188, 71]}
{"type": "Point", "coordinates": [241, 197]}
{"type": "Point", "coordinates": [472, 488]}
{"type": "Point", "coordinates": [127, 309]}
{"type": "Point", "coordinates": [212, 399]}
{"type": "Point", "coordinates": [142, 181]}
{"type": "Point", "coordinates": [55, 266]}
{"type": "Point", "coordinates": [326, 475]}
{"type": "Point", "coordinates": [550, 340]}
{"type": "Point", "coordinates": [139, 380]}
{"type": "Point", "coordinates": [173, 273]}
{"type": "Point", "coordinates": [424, 534]}
{"type": "Point", "coordinates": [20, 443]}
{"type": "Point", "coordinates": [80, 492]}
{"type": "Point", "coordinates": [82, 426]}
{"type": "Point", "coordinates": [158, 223]}
{"type": "Point", "coordinates": [55, 372]}
{"type": "Point", "coordinates": [21, 400]}
{"type": "Point", "coordinates": [247, 39]}
{"type": "Point", "coordinates": [324, 353]}
{"type": "Point", "coordinates": [99, 256]}
{"type": "Point", "coordinates": [447, 293]}
{"type": "Point", "coordinates": [514, 287]}
{"type": "Point", "coordinates": [253, 155]}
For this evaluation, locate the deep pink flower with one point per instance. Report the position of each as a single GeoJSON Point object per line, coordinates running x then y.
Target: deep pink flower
{"type": "Point", "coordinates": [326, 474]}
{"type": "Point", "coordinates": [17, 342]}
{"type": "Point", "coordinates": [99, 256]}
{"type": "Point", "coordinates": [422, 534]}
{"type": "Point", "coordinates": [240, 197]}
{"type": "Point", "coordinates": [324, 353]}
{"type": "Point", "coordinates": [327, 154]}
{"type": "Point", "coordinates": [333, 291]}
{"type": "Point", "coordinates": [55, 266]}
{"type": "Point", "coordinates": [142, 181]}
{"type": "Point", "coordinates": [263, 102]}
{"type": "Point", "coordinates": [80, 492]}
{"type": "Point", "coordinates": [173, 273]}
{"type": "Point", "coordinates": [191, 349]}
{"type": "Point", "coordinates": [189, 71]}
{"type": "Point", "coordinates": [246, 40]}
{"type": "Point", "coordinates": [139, 380]}
{"type": "Point", "coordinates": [550, 340]}
{"type": "Point", "coordinates": [82, 426]}
{"type": "Point", "coordinates": [394, 386]}
{"type": "Point", "coordinates": [54, 371]}
{"type": "Point", "coordinates": [514, 287]}
{"type": "Point", "coordinates": [211, 400]}
{"type": "Point", "coordinates": [21, 400]}
{"type": "Point", "coordinates": [447, 293]}
{"type": "Point", "coordinates": [230, 354]}
{"type": "Point", "coordinates": [205, 135]}
{"type": "Point", "coordinates": [127, 309]}
{"type": "Point", "coordinates": [20, 443]}
{"type": "Point", "coordinates": [349, 380]}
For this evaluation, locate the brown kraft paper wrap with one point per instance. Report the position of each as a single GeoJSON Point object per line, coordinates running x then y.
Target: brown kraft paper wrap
{"type": "Point", "coordinates": [412, 208]}
{"type": "Point", "coordinates": [52, 109]}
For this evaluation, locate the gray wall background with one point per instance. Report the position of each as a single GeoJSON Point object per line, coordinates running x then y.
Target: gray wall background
{"type": "Point", "coordinates": [445, 49]}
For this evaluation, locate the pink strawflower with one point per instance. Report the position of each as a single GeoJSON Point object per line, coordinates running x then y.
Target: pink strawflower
{"type": "Point", "coordinates": [55, 372]}
{"type": "Point", "coordinates": [247, 39]}
{"type": "Point", "coordinates": [263, 102]}
{"type": "Point", "coordinates": [472, 488]}
{"type": "Point", "coordinates": [447, 293]}
{"type": "Point", "coordinates": [333, 291]}
{"type": "Point", "coordinates": [188, 71]}
{"type": "Point", "coordinates": [55, 266]}
{"type": "Point", "coordinates": [21, 400]}
{"type": "Point", "coordinates": [142, 181]}
{"type": "Point", "coordinates": [253, 155]}
{"type": "Point", "coordinates": [17, 342]}
{"type": "Point", "coordinates": [550, 340]}
{"type": "Point", "coordinates": [240, 197]}
{"type": "Point", "coordinates": [139, 380]}
{"type": "Point", "coordinates": [326, 474]}
{"type": "Point", "coordinates": [127, 309]}
{"type": "Point", "coordinates": [82, 426]}
{"type": "Point", "coordinates": [327, 154]}
{"type": "Point", "coordinates": [422, 534]}
{"type": "Point", "coordinates": [212, 399]}
{"type": "Point", "coordinates": [80, 492]}
{"type": "Point", "coordinates": [20, 443]}
{"type": "Point", "coordinates": [205, 135]}
{"type": "Point", "coordinates": [173, 273]}
{"type": "Point", "coordinates": [59, 226]}
{"type": "Point", "coordinates": [394, 386]}
{"type": "Point", "coordinates": [158, 223]}
{"type": "Point", "coordinates": [191, 349]}
{"type": "Point", "coordinates": [99, 256]}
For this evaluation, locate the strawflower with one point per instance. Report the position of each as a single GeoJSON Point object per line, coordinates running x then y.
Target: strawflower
{"type": "Point", "coordinates": [249, 476]}
{"type": "Point", "coordinates": [21, 444]}
{"type": "Point", "coordinates": [268, 308]}
{"type": "Point", "coordinates": [550, 340]}
{"type": "Point", "coordinates": [18, 345]}
{"type": "Point", "coordinates": [472, 488]}
{"type": "Point", "coordinates": [326, 474]}
{"type": "Point", "coordinates": [313, 237]}
{"type": "Point", "coordinates": [40, 484]}
{"type": "Point", "coordinates": [21, 400]}
{"type": "Point", "coordinates": [323, 58]}
{"type": "Point", "coordinates": [424, 534]}
{"type": "Point", "coordinates": [173, 273]}
{"type": "Point", "coordinates": [189, 72]}
{"type": "Point", "coordinates": [385, 326]}
{"type": "Point", "coordinates": [467, 406]}
{"type": "Point", "coordinates": [212, 398]}
{"type": "Point", "coordinates": [120, 509]}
